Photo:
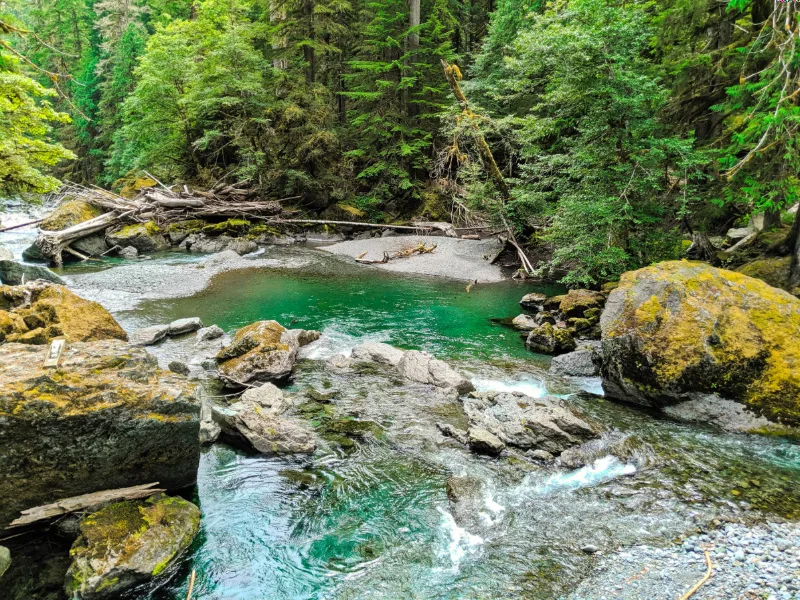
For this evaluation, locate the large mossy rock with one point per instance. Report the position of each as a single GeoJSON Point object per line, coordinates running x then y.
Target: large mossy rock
{"type": "Point", "coordinates": [776, 271]}
{"type": "Point", "coordinates": [38, 312]}
{"type": "Point", "coordinates": [70, 212]}
{"type": "Point", "coordinates": [263, 351]}
{"type": "Point", "coordinates": [107, 417]}
{"type": "Point", "coordinates": [680, 331]}
{"type": "Point", "coordinates": [128, 543]}
{"type": "Point", "coordinates": [145, 237]}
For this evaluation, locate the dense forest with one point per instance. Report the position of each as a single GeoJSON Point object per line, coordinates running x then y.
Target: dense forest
{"type": "Point", "coordinates": [620, 129]}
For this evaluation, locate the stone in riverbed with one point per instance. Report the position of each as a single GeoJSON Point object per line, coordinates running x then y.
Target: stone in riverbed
{"type": "Point", "coordinates": [424, 368]}
{"type": "Point", "coordinates": [14, 273]}
{"type": "Point", "coordinates": [5, 253]}
{"type": "Point", "coordinates": [260, 352]}
{"type": "Point", "coordinates": [583, 362]}
{"type": "Point", "coordinates": [683, 331]}
{"type": "Point", "coordinates": [256, 422]}
{"type": "Point", "coordinates": [91, 245]}
{"type": "Point", "coordinates": [524, 322]}
{"type": "Point", "coordinates": [145, 237]}
{"type": "Point", "coordinates": [187, 325]}
{"type": "Point", "coordinates": [179, 367]}
{"type": "Point", "coordinates": [518, 420]}
{"type": "Point", "coordinates": [128, 543]}
{"type": "Point", "coordinates": [533, 301]}
{"type": "Point", "coordinates": [377, 352]}
{"type": "Point", "coordinates": [129, 252]}
{"type": "Point", "coordinates": [483, 441]}
{"type": "Point", "coordinates": [108, 417]}
{"type": "Point", "coordinates": [550, 339]}
{"type": "Point", "coordinates": [209, 333]}
{"type": "Point", "coordinates": [147, 336]}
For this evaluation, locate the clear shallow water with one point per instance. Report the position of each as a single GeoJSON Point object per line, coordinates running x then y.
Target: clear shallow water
{"type": "Point", "coordinates": [367, 516]}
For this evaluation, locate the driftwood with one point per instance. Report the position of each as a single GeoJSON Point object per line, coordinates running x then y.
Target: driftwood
{"type": "Point", "coordinates": [84, 502]}
{"type": "Point", "coordinates": [416, 227]}
{"type": "Point", "coordinates": [52, 243]}
{"type": "Point", "coordinates": [21, 225]}
{"type": "Point", "coordinates": [405, 253]}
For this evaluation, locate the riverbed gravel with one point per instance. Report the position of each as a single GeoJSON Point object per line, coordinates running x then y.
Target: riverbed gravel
{"type": "Point", "coordinates": [453, 258]}
{"type": "Point", "coordinates": [748, 562]}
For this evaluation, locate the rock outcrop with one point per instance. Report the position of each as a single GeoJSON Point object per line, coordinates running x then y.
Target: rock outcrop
{"type": "Point", "coordinates": [107, 417]}
{"type": "Point", "coordinates": [128, 543]}
{"type": "Point", "coordinates": [14, 273]}
{"type": "Point", "coordinates": [145, 237]}
{"type": "Point", "coordinates": [558, 321]}
{"type": "Point", "coordinates": [583, 362]}
{"type": "Point", "coordinates": [682, 331]}
{"type": "Point", "coordinates": [546, 423]}
{"type": "Point", "coordinates": [70, 212]}
{"type": "Point", "coordinates": [261, 352]}
{"type": "Point", "coordinates": [38, 312]}
{"type": "Point", "coordinates": [257, 422]}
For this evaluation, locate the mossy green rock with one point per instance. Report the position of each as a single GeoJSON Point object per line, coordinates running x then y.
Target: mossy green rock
{"type": "Point", "coordinates": [70, 212]}
{"type": "Point", "coordinates": [775, 271]}
{"type": "Point", "coordinates": [128, 543]}
{"type": "Point", "coordinates": [677, 330]}
{"type": "Point", "coordinates": [145, 237]}
{"type": "Point", "coordinates": [106, 418]}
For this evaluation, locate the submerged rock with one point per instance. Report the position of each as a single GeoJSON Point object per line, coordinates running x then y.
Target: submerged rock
{"type": "Point", "coordinates": [128, 543]}
{"type": "Point", "coordinates": [38, 312]}
{"type": "Point", "coordinates": [685, 331]}
{"type": "Point", "coordinates": [145, 237]}
{"type": "Point", "coordinates": [424, 368]}
{"type": "Point", "coordinates": [257, 422]}
{"type": "Point", "coordinates": [107, 417]}
{"type": "Point", "coordinates": [527, 423]}
{"type": "Point", "coordinates": [14, 273]}
{"type": "Point", "coordinates": [262, 351]}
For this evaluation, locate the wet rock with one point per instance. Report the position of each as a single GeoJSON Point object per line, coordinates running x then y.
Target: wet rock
{"type": "Point", "coordinates": [5, 560]}
{"type": "Point", "coordinates": [203, 243]}
{"type": "Point", "coordinates": [484, 442]}
{"type": "Point", "coordinates": [524, 322]}
{"type": "Point", "coordinates": [108, 417]}
{"type": "Point", "coordinates": [464, 489]}
{"type": "Point", "coordinates": [147, 336]}
{"type": "Point", "coordinates": [179, 367]}
{"type": "Point", "coordinates": [583, 362]}
{"type": "Point", "coordinates": [260, 352]}
{"type": "Point", "coordinates": [5, 253]}
{"type": "Point", "coordinates": [209, 429]}
{"type": "Point", "coordinates": [300, 337]}
{"type": "Point", "coordinates": [589, 549]}
{"type": "Point", "coordinates": [541, 455]}
{"type": "Point", "coordinates": [549, 339]}
{"type": "Point", "coordinates": [388, 233]}
{"type": "Point", "coordinates": [681, 331]}
{"type": "Point", "coordinates": [128, 543]}
{"type": "Point", "coordinates": [180, 230]}
{"type": "Point", "coordinates": [91, 245]}
{"type": "Point", "coordinates": [242, 246]}
{"type": "Point", "coordinates": [449, 430]}
{"type": "Point", "coordinates": [256, 421]}
{"type": "Point", "coordinates": [187, 325]}
{"type": "Point", "coordinates": [209, 333]}
{"type": "Point", "coordinates": [58, 312]}
{"type": "Point", "coordinates": [14, 273]}
{"type": "Point", "coordinates": [377, 352]}
{"type": "Point", "coordinates": [533, 301]}
{"type": "Point", "coordinates": [424, 368]}
{"type": "Point", "coordinates": [545, 423]}
{"type": "Point", "coordinates": [129, 252]}
{"type": "Point", "coordinates": [145, 237]}
{"type": "Point", "coordinates": [70, 212]}
{"type": "Point", "coordinates": [339, 361]}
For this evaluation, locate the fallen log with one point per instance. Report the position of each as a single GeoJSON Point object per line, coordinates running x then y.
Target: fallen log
{"type": "Point", "coordinates": [161, 199]}
{"type": "Point", "coordinates": [416, 228]}
{"type": "Point", "coordinates": [84, 502]}
{"type": "Point", "coordinates": [52, 243]}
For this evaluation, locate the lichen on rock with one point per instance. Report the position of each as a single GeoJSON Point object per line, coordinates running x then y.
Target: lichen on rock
{"type": "Point", "coordinates": [70, 212]}
{"type": "Point", "coordinates": [678, 329]}
{"type": "Point", "coordinates": [127, 543]}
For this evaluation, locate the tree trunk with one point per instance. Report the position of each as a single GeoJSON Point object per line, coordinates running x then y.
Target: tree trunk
{"type": "Point", "coordinates": [413, 21]}
{"type": "Point", "coordinates": [794, 245]}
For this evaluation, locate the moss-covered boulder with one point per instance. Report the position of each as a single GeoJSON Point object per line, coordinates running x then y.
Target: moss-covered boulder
{"type": "Point", "coordinates": [263, 351]}
{"type": "Point", "coordinates": [106, 417]}
{"type": "Point", "coordinates": [128, 543]}
{"type": "Point", "coordinates": [550, 339]}
{"type": "Point", "coordinates": [776, 271]}
{"type": "Point", "coordinates": [53, 311]}
{"type": "Point", "coordinates": [70, 212]}
{"type": "Point", "coordinates": [683, 331]}
{"type": "Point", "coordinates": [145, 237]}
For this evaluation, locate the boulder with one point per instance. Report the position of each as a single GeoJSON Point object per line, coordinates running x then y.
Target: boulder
{"type": "Point", "coordinates": [260, 352]}
{"type": "Point", "coordinates": [209, 333]}
{"type": "Point", "coordinates": [738, 233]}
{"type": "Point", "coordinates": [524, 322]}
{"type": "Point", "coordinates": [776, 271]}
{"type": "Point", "coordinates": [53, 311]}
{"type": "Point", "coordinates": [128, 543]}
{"type": "Point", "coordinates": [179, 367]}
{"type": "Point", "coordinates": [583, 362]}
{"type": "Point", "coordinates": [129, 252]}
{"type": "Point", "coordinates": [424, 368]}
{"type": "Point", "coordinates": [14, 273]}
{"type": "Point", "coordinates": [91, 245]}
{"type": "Point", "coordinates": [5, 253]}
{"type": "Point", "coordinates": [147, 336]}
{"type": "Point", "coordinates": [546, 423]}
{"type": "Point", "coordinates": [70, 212]}
{"type": "Point", "coordinates": [533, 301]}
{"type": "Point", "coordinates": [145, 237]}
{"type": "Point", "coordinates": [204, 244]}
{"type": "Point", "coordinates": [377, 352]}
{"type": "Point", "coordinates": [107, 417]}
{"type": "Point", "coordinates": [550, 339]}
{"type": "Point", "coordinates": [679, 330]}
{"type": "Point", "coordinates": [484, 442]}
{"type": "Point", "coordinates": [256, 422]}
{"type": "Point", "coordinates": [33, 254]}
{"type": "Point", "coordinates": [187, 325]}
{"type": "Point", "coordinates": [577, 302]}
{"type": "Point", "coordinates": [5, 560]}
